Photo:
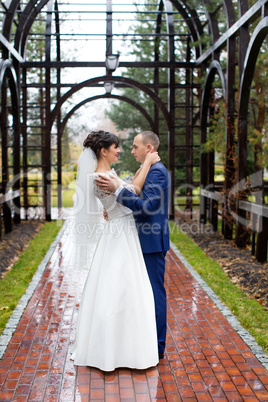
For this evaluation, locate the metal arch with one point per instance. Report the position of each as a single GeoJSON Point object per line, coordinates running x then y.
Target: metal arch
{"type": "Point", "coordinates": [249, 65]}
{"type": "Point", "coordinates": [22, 22]}
{"type": "Point", "coordinates": [245, 19]}
{"type": "Point", "coordinates": [15, 101]}
{"type": "Point", "coordinates": [205, 158]}
{"type": "Point", "coordinates": [194, 16]}
{"type": "Point", "coordinates": [254, 46]}
{"type": "Point", "coordinates": [118, 97]}
{"type": "Point", "coordinates": [8, 65]}
{"type": "Point", "coordinates": [197, 26]}
{"type": "Point", "coordinates": [12, 6]}
{"type": "Point", "coordinates": [195, 32]}
{"type": "Point", "coordinates": [214, 68]}
{"type": "Point", "coordinates": [105, 78]}
{"type": "Point", "coordinates": [5, 66]}
{"type": "Point", "coordinates": [7, 69]}
{"type": "Point", "coordinates": [28, 25]}
{"type": "Point", "coordinates": [243, 36]}
{"type": "Point", "coordinates": [7, 22]}
{"type": "Point", "coordinates": [213, 23]}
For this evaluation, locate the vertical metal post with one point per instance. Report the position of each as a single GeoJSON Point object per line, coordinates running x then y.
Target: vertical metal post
{"type": "Point", "coordinates": [24, 143]}
{"type": "Point", "coordinates": [3, 122]}
{"type": "Point", "coordinates": [261, 250]}
{"type": "Point", "coordinates": [229, 180]}
{"type": "Point", "coordinates": [203, 156]}
{"type": "Point", "coordinates": [171, 101]}
{"type": "Point", "coordinates": [47, 140]}
{"type": "Point", "coordinates": [189, 133]}
{"type": "Point", "coordinates": [240, 234]}
{"type": "Point", "coordinates": [156, 69]}
{"type": "Point", "coordinates": [59, 138]}
{"type": "Point", "coordinates": [109, 31]}
{"type": "Point", "coordinates": [211, 163]}
{"type": "Point", "coordinates": [230, 131]}
{"type": "Point", "coordinates": [15, 99]}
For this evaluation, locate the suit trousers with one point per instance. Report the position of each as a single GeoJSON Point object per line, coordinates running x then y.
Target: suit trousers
{"type": "Point", "coordinates": [155, 264]}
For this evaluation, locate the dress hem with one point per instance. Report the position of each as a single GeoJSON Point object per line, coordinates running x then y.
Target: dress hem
{"type": "Point", "coordinates": [118, 367]}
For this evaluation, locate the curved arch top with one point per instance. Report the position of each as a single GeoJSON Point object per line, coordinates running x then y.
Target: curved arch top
{"type": "Point", "coordinates": [214, 68]}
{"type": "Point", "coordinates": [25, 15]}
{"type": "Point", "coordinates": [105, 96]}
{"type": "Point", "coordinates": [192, 22]}
{"type": "Point", "coordinates": [254, 46]}
{"type": "Point", "coordinates": [12, 6]}
{"type": "Point", "coordinates": [7, 65]}
{"type": "Point", "coordinates": [92, 81]}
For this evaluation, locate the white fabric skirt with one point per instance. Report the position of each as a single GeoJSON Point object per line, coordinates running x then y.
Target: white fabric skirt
{"type": "Point", "coordinates": [116, 322]}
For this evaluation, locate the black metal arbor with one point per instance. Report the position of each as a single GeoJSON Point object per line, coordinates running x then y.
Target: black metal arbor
{"type": "Point", "coordinates": [206, 40]}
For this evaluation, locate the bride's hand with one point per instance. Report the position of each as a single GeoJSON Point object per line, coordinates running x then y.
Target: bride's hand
{"type": "Point", "coordinates": [110, 183]}
{"type": "Point", "coordinates": [151, 158]}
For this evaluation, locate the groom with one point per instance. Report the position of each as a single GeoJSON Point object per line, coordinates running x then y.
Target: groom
{"type": "Point", "coordinates": [150, 210]}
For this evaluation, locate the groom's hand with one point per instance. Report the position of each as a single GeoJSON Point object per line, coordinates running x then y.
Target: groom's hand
{"type": "Point", "coordinates": [107, 183]}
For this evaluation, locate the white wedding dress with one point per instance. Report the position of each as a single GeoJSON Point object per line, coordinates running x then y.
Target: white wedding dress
{"type": "Point", "coordinates": [116, 322]}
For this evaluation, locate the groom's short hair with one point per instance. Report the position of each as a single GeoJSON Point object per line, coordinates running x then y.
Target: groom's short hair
{"type": "Point", "coordinates": [149, 137]}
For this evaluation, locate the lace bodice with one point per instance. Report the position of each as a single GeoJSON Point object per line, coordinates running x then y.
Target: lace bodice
{"type": "Point", "coordinates": [108, 199]}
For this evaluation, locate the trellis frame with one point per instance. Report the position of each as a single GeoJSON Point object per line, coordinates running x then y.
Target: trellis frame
{"type": "Point", "coordinates": [13, 72]}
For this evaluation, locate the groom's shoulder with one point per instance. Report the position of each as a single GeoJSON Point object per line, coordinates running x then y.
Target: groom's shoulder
{"type": "Point", "coordinates": [158, 166]}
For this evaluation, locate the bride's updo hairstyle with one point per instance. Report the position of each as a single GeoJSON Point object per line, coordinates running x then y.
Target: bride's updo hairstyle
{"type": "Point", "coordinates": [97, 140]}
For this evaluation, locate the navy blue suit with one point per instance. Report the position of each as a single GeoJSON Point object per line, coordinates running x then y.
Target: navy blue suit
{"type": "Point", "coordinates": [150, 210]}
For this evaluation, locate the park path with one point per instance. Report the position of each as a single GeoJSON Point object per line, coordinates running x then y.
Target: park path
{"type": "Point", "coordinates": [206, 359]}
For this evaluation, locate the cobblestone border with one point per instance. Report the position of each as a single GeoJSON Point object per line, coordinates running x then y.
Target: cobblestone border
{"type": "Point", "coordinates": [19, 309]}
{"type": "Point", "coordinates": [244, 334]}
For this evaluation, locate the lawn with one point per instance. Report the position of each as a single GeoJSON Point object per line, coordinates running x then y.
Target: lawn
{"type": "Point", "coordinates": [15, 282]}
{"type": "Point", "coordinates": [67, 195]}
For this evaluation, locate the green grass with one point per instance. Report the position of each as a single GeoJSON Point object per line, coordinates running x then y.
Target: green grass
{"type": "Point", "coordinates": [249, 312]}
{"type": "Point", "coordinates": [67, 196]}
{"type": "Point", "coordinates": [68, 187]}
{"type": "Point", "coordinates": [15, 282]}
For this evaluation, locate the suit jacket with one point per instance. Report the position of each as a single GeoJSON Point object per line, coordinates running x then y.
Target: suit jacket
{"type": "Point", "coordinates": [150, 209]}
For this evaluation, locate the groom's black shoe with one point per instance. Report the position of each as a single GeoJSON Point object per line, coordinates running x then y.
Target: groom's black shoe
{"type": "Point", "coordinates": [161, 355]}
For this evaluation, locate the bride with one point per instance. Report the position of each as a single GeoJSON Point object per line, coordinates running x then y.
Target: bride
{"type": "Point", "coordinates": [116, 322]}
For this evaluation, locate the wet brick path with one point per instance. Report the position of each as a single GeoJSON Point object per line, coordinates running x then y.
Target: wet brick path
{"type": "Point", "coordinates": [205, 360]}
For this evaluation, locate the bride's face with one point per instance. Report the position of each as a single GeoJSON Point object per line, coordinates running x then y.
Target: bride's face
{"type": "Point", "coordinates": [112, 153]}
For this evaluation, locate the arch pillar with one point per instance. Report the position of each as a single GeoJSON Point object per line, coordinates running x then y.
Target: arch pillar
{"type": "Point", "coordinates": [206, 157]}
{"type": "Point", "coordinates": [8, 79]}
{"type": "Point", "coordinates": [251, 56]}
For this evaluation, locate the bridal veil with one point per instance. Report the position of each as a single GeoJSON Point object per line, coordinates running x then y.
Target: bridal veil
{"type": "Point", "coordinates": [88, 211]}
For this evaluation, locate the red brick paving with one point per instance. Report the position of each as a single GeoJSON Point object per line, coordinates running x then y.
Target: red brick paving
{"type": "Point", "coordinates": [206, 360]}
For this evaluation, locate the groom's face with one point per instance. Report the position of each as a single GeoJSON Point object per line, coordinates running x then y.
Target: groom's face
{"type": "Point", "coordinates": [139, 149]}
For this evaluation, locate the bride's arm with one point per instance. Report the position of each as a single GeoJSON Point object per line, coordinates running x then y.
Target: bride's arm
{"type": "Point", "coordinates": [113, 183]}
{"type": "Point", "coordinates": [141, 174]}
{"type": "Point", "coordinates": [136, 174]}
